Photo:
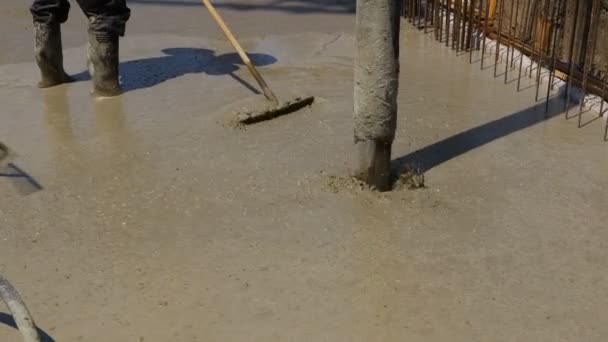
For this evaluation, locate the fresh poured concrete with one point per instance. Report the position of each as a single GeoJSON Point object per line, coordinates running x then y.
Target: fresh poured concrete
{"type": "Point", "coordinates": [156, 221]}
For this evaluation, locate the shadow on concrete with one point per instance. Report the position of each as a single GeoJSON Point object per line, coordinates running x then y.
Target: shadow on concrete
{"type": "Point", "coordinates": [289, 6]}
{"type": "Point", "coordinates": [7, 319]}
{"type": "Point", "coordinates": [23, 181]}
{"type": "Point", "coordinates": [461, 143]}
{"type": "Point", "coordinates": [148, 72]}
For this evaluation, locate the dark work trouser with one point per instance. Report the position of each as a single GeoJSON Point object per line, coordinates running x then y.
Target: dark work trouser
{"type": "Point", "coordinates": [105, 16]}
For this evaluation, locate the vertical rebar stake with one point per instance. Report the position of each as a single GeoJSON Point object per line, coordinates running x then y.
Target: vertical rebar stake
{"type": "Point", "coordinates": [541, 50]}
{"type": "Point", "coordinates": [595, 12]}
{"type": "Point", "coordinates": [426, 16]}
{"type": "Point", "coordinates": [472, 26]}
{"type": "Point", "coordinates": [556, 19]}
{"type": "Point", "coordinates": [533, 28]}
{"type": "Point", "coordinates": [436, 21]}
{"type": "Point", "coordinates": [500, 20]}
{"type": "Point", "coordinates": [570, 58]}
{"type": "Point", "coordinates": [465, 25]}
{"type": "Point", "coordinates": [485, 32]}
{"type": "Point", "coordinates": [514, 33]}
{"type": "Point", "coordinates": [447, 22]}
{"type": "Point", "coordinates": [525, 28]}
{"type": "Point", "coordinates": [510, 41]}
{"type": "Point", "coordinates": [603, 97]}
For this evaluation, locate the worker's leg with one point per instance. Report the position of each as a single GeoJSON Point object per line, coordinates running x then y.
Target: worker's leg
{"type": "Point", "coordinates": [106, 17]}
{"type": "Point", "coordinates": [48, 15]}
{"type": "Point", "coordinates": [50, 11]}
{"type": "Point", "coordinates": [107, 20]}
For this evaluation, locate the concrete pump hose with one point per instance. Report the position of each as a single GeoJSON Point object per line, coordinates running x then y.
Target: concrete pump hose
{"type": "Point", "coordinates": [21, 315]}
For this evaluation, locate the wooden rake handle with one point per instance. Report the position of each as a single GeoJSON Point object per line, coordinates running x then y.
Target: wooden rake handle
{"type": "Point", "coordinates": [239, 49]}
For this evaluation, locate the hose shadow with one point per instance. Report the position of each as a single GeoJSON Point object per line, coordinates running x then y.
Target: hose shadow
{"type": "Point", "coordinates": [177, 62]}
{"type": "Point", "coordinates": [461, 143]}
{"type": "Point", "coordinates": [8, 320]}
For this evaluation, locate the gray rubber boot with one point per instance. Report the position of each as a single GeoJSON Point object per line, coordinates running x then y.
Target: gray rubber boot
{"type": "Point", "coordinates": [49, 55]}
{"type": "Point", "coordinates": [102, 61]}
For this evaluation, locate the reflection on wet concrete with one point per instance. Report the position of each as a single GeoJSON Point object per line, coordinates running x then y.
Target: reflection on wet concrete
{"type": "Point", "coordinates": [64, 151]}
{"type": "Point", "coordinates": [148, 72]}
{"type": "Point", "coordinates": [95, 164]}
{"type": "Point", "coordinates": [110, 119]}
{"type": "Point", "coordinates": [111, 132]}
{"type": "Point", "coordinates": [57, 115]}
{"type": "Point", "coordinates": [74, 151]}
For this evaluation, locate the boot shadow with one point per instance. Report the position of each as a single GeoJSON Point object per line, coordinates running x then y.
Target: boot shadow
{"type": "Point", "coordinates": [177, 62]}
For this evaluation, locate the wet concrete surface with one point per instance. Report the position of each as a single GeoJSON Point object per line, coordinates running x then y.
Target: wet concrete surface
{"type": "Point", "coordinates": [155, 222]}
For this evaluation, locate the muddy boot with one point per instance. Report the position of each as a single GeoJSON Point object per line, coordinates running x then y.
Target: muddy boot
{"type": "Point", "coordinates": [102, 60]}
{"type": "Point", "coordinates": [49, 55]}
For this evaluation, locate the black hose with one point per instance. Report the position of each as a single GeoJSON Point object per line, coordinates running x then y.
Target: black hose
{"type": "Point", "coordinates": [17, 307]}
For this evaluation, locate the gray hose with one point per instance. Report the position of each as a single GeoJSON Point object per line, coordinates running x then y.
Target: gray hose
{"type": "Point", "coordinates": [21, 315]}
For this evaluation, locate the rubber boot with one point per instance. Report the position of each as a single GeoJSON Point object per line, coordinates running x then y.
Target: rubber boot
{"type": "Point", "coordinates": [49, 55]}
{"type": "Point", "coordinates": [102, 61]}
